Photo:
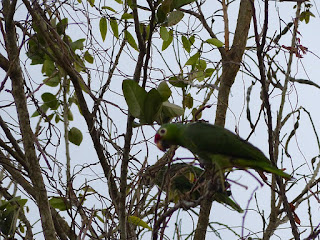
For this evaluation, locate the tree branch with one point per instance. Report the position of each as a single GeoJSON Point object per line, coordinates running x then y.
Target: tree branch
{"type": "Point", "coordinates": [24, 121]}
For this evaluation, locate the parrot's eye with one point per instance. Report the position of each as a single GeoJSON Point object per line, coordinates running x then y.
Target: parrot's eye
{"type": "Point", "coordinates": [162, 132]}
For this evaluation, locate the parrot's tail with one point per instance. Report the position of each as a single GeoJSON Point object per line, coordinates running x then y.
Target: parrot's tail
{"type": "Point", "coordinates": [279, 172]}
{"type": "Point", "coordinates": [224, 198]}
{"type": "Point", "coordinates": [225, 162]}
{"type": "Point", "coordinates": [263, 166]}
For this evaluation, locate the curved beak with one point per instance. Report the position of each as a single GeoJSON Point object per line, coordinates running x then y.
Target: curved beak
{"type": "Point", "coordinates": [159, 143]}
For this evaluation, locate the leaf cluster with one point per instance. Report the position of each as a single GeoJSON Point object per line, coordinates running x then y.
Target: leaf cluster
{"type": "Point", "coordinates": [151, 106]}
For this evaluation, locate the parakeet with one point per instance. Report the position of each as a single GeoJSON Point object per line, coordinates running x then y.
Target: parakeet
{"type": "Point", "coordinates": [180, 178]}
{"type": "Point", "coordinates": [215, 145]}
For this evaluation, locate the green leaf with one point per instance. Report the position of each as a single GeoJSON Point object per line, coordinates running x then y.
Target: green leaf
{"type": "Point", "coordinates": [88, 189]}
{"type": "Point", "coordinates": [302, 16]}
{"type": "Point", "coordinates": [138, 222]}
{"type": "Point", "coordinates": [62, 25]}
{"type": "Point", "coordinates": [114, 27]}
{"type": "Point", "coordinates": [202, 65]}
{"type": "Point", "coordinates": [48, 67]}
{"type": "Point", "coordinates": [130, 39]}
{"type": "Point", "coordinates": [8, 222]}
{"type": "Point", "coordinates": [208, 72]}
{"type": "Point", "coordinates": [306, 16]}
{"type": "Point", "coordinates": [57, 118]}
{"type": "Point", "coordinates": [192, 39]}
{"type": "Point", "coordinates": [50, 100]}
{"type": "Point", "coordinates": [4, 204]}
{"type": "Point", "coordinates": [186, 43]}
{"type": "Point", "coordinates": [75, 136]}
{"type": "Point", "coordinates": [167, 43]}
{"type": "Point", "coordinates": [188, 101]}
{"type": "Point", "coordinates": [79, 66]}
{"type": "Point", "coordinates": [77, 44]}
{"type": "Point", "coordinates": [91, 2]}
{"type": "Point", "coordinates": [164, 91]}
{"type": "Point", "coordinates": [36, 57]}
{"type": "Point", "coordinates": [59, 203]}
{"type": "Point", "coordinates": [103, 28]}
{"type": "Point", "coordinates": [100, 219]}
{"type": "Point", "coordinates": [7, 204]}
{"type": "Point", "coordinates": [193, 59]}
{"type": "Point", "coordinates": [109, 8]}
{"type": "Point", "coordinates": [44, 109]}
{"type": "Point", "coordinates": [70, 115]}
{"type": "Point", "coordinates": [196, 114]}
{"type": "Point", "coordinates": [167, 6]}
{"type": "Point", "coordinates": [145, 30]}
{"type": "Point", "coordinates": [174, 17]}
{"type": "Point", "coordinates": [126, 16]}
{"type": "Point", "coordinates": [177, 82]}
{"type": "Point", "coordinates": [135, 97]}
{"type": "Point", "coordinates": [21, 228]}
{"type": "Point", "coordinates": [88, 57]}
{"type": "Point", "coordinates": [119, 1]}
{"type": "Point", "coordinates": [161, 15]}
{"type": "Point", "coordinates": [180, 3]}
{"type": "Point", "coordinates": [50, 117]}
{"type": "Point", "coordinates": [215, 42]}
{"type": "Point", "coordinates": [199, 75]}
{"type": "Point", "coordinates": [22, 201]}
{"type": "Point", "coordinates": [164, 34]}
{"type": "Point", "coordinates": [52, 81]}
{"type": "Point", "coordinates": [311, 14]}
{"type": "Point", "coordinates": [172, 110]}
{"type": "Point", "coordinates": [152, 106]}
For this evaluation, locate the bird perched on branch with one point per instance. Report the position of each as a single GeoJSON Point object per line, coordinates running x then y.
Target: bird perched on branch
{"type": "Point", "coordinates": [216, 145]}
{"type": "Point", "coordinates": [186, 182]}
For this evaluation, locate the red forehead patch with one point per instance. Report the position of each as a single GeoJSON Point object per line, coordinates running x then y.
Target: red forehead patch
{"type": "Point", "coordinates": [157, 137]}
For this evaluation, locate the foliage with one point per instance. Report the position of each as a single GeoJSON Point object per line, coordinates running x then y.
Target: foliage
{"type": "Point", "coordinates": [150, 106]}
{"type": "Point", "coordinates": [103, 75]}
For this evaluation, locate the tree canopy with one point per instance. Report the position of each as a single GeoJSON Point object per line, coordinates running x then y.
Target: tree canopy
{"type": "Point", "coordinates": [85, 85]}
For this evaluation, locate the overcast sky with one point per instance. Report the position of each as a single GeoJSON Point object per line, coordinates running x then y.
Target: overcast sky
{"type": "Point", "coordinates": [302, 149]}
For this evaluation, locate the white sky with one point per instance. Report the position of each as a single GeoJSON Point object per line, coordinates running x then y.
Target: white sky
{"type": "Point", "coordinates": [306, 96]}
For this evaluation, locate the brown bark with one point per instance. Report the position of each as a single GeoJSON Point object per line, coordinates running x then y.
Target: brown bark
{"type": "Point", "coordinates": [63, 58]}
{"type": "Point", "coordinates": [232, 60]}
{"type": "Point", "coordinates": [61, 226]}
{"type": "Point", "coordinates": [231, 63]}
{"type": "Point", "coordinates": [24, 121]}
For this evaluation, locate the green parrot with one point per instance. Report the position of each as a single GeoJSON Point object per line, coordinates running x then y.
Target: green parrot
{"type": "Point", "coordinates": [180, 178]}
{"type": "Point", "coordinates": [215, 145]}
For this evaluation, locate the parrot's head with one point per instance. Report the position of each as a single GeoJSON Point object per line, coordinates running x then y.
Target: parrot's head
{"type": "Point", "coordinates": [166, 136]}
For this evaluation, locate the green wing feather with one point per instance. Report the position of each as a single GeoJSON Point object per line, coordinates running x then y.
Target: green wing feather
{"type": "Point", "coordinates": [213, 143]}
{"type": "Point", "coordinates": [212, 139]}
